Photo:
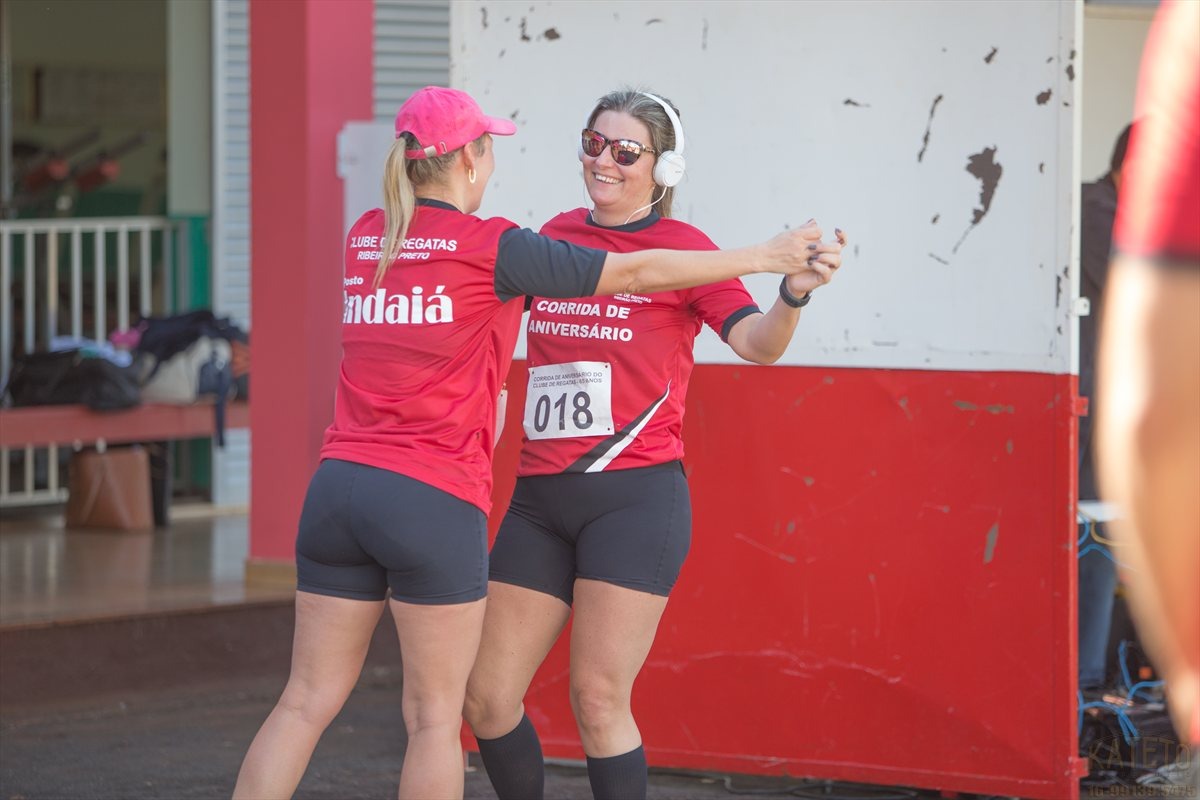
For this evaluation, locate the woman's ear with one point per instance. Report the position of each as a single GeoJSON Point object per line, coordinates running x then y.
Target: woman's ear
{"type": "Point", "coordinates": [469, 158]}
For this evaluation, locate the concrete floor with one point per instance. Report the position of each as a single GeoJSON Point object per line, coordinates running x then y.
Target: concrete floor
{"type": "Point", "coordinates": [50, 574]}
{"type": "Point", "coordinates": [189, 744]}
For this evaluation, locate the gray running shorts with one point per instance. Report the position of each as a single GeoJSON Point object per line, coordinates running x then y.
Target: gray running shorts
{"type": "Point", "coordinates": [629, 527]}
{"type": "Point", "coordinates": [365, 530]}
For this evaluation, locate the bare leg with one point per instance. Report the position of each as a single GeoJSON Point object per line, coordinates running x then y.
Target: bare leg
{"type": "Point", "coordinates": [520, 628]}
{"type": "Point", "coordinates": [437, 646]}
{"type": "Point", "coordinates": [613, 630]}
{"type": "Point", "coordinates": [328, 650]}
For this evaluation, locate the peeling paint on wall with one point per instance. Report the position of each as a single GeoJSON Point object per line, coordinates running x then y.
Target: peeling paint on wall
{"type": "Point", "coordinates": [989, 549]}
{"type": "Point", "coordinates": [983, 108]}
{"type": "Point", "coordinates": [483, 11]}
{"type": "Point", "coordinates": [982, 165]}
{"type": "Point", "coordinates": [1043, 97]}
{"type": "Point", "coordinates": [928, 125]}
{"type": "Point", "coordinates": [994, 408]}
{"type": "Point", "coordinates": [524, 32]}
{"type": "Point", "coordinates": [551, 34]}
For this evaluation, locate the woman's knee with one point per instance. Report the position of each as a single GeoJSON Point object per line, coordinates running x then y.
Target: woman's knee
{"type": "Point", "coordinates": [310, 705]}
{"type": "Point", "coordinates": [599, 704]}
{"type": "Point", "coordinates": [429, 713]}
{"type": "Point", "coordinates": [487, 710]}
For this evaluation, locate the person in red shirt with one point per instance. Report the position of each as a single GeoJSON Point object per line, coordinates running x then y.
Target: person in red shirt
{"type": "Point", "coordinates": [398, 504]}
{"type": "Point", "coordinates": [600, 519]}
{"type": "Point", "coordinates": [1148, 425]}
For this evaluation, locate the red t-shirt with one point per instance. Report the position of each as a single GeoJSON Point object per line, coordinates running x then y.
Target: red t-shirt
{"type": "Point", "coordinates": [424, 356]}
{"type": "Point", "coordinates": [609, 375]}
{"type": "Point", "coordinates": [1159, 211]}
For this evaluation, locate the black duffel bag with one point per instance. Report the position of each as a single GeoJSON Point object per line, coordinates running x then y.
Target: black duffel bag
{"type": "Point", "coordinates": [67, 376]}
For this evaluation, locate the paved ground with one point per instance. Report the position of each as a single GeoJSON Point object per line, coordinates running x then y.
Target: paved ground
{"type": "Point", "coordinates": [96, 710]}
{"type": "Point", "coordinates": [181, 745]}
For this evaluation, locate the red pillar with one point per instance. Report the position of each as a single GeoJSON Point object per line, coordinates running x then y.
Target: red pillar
{"type": "Point", "coordinates": [310, 73]}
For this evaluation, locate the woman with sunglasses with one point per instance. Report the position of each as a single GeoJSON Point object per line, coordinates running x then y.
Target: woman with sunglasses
{"type": "Point", "coordinates": [398, 504]}
{"type": "Point", "coordinates": [600, 518]}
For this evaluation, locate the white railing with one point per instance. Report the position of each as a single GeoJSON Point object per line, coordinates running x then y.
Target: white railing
{"type": "Point", "coordinates": [83, 278]}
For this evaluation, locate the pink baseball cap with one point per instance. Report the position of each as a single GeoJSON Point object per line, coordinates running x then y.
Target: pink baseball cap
{"type": "Point", "coordinates": [444, 120]}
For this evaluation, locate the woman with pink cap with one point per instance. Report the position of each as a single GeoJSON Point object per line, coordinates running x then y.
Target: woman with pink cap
{"type": "Point", "coordinates": [396, 511]}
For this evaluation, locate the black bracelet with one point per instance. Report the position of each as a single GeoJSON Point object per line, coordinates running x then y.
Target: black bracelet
{"type": "Point", "coordinates": [791, 299]}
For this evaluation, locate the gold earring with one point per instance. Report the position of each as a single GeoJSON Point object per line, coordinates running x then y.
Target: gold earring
{"type": "Point", "coordinates": [471, 175]}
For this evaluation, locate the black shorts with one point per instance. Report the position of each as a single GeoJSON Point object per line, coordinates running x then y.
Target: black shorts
{"type": "Point", "coordinates": [629, 527]}
{"type": "Point", "coordinates": [365, 530]}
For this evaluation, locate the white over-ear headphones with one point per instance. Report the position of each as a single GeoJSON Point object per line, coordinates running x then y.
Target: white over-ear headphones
{"type": "Point", "coordinates": [670, 165]}
{"type": "Point", "coordinates": [669, 168]}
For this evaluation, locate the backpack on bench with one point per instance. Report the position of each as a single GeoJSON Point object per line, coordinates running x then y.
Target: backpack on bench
{"type": "Point", "coordinates": [189, 357]}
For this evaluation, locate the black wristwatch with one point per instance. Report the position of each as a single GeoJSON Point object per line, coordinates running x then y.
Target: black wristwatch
{"type": "Point", "coordinates": [791, 299]}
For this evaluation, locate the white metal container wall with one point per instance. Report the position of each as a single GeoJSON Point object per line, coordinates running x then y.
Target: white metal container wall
{"type": "Point", "coordinates": [230, 255]}
{"type": "Point", "coordinates": [864, 115]}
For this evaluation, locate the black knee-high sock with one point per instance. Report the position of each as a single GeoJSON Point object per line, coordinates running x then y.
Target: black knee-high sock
{"type": "Point", "coordinates": [620, 777]}
{"type": "Point", "coordinates": [514, 763]}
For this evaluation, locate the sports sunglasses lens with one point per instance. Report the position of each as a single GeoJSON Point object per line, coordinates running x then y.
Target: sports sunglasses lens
{"type": "Point", "coordinates": [625, 154]}
{"type": "Point", "coordinates": [593, 145]}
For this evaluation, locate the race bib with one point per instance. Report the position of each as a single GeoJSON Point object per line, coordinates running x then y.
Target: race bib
{"type": "Point", "coordinates": [569, 400]}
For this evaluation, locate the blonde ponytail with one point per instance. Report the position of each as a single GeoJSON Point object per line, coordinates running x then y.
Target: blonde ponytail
{"type": "Point", "coordinates": [399, 203]}
{"type": "Point", "coordinates": [401, 178]}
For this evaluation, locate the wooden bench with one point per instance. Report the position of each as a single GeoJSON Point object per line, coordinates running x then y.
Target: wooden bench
{"type": "Point", "coordinates": [76, 426]}
{"type": "Point", "coordinates": [39, 426]}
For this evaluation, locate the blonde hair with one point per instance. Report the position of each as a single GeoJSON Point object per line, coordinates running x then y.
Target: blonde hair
{"type": "Point", "coordinates": [402, 177]}
{"type": "Point", "coordinates": [662, 134]}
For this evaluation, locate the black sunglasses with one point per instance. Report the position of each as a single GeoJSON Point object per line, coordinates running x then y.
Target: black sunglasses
{"type": "Point", "coordinates": [624, 151]}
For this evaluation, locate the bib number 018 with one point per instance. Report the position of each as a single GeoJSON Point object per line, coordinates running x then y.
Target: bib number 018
{"type": "Point", "coordinates": [581, 415]}
{"type": "Point", "coordinates": [568, 400]}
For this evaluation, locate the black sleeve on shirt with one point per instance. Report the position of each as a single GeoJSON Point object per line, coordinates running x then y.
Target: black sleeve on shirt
{"type": "Point", "coordinates": [528, 263]}
{"type": "Point", "coordinates": [735, 318]}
